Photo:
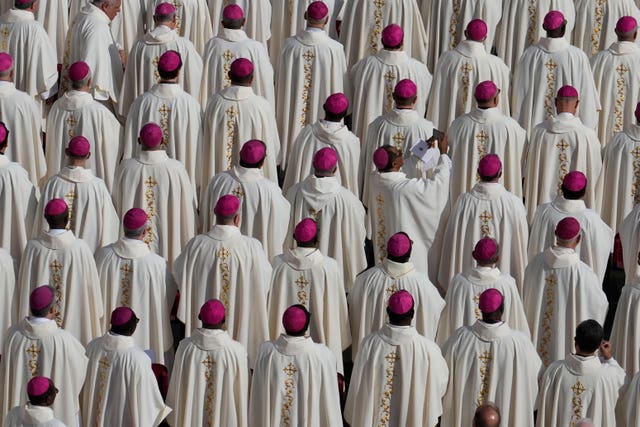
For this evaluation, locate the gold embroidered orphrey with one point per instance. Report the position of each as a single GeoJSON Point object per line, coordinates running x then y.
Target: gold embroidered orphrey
{"type": "Point", "coordinates": [546, 331]}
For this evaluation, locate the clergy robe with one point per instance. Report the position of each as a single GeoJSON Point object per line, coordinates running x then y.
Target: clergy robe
{"type": "Point", "coordinates": [462, 298]}
{"type": "Point", "coordinates": [128, 25]}
{"type": "Point", "coordinates": [76, 113]}
{"type": "Point", "coordinates": [627, 408]}
{"type": "Point", "coordinates": [193, 21]}
{"type": "Point", "coordinates": [579, 387]}
{"type": "Point", "coordinates": [31, 415]}
{"type": "Point", "coordinates": [597, 237]}
{"type": "Point", "coordinates": [630, 240]}
{"type": "Point", "coordinates": [8, 294]}
{"type": "Point", "coordinates": [457, 74]}
{"type": "Point", "coordinates": [306, 276]}
{"type": "Point", "coordinates": [315, 137]}
{"type": "Point", "coordinates": [22, 116]}
{"type": "Point", "coordinates": [17, 207]}
{"type": "Point", "coordinates": [37, 346]}
{"type": "Point", "coordinates": [212, 368]}
{"type": "Point", "coordinates": [233, 268]}
{"type": "Point", "coordinates": [560, 291]}
{"type": "Point", "coordinates": [159, 185]}
{"type": "Point", "coordinates": [341, 222]}
{"type": "Point", "coordinates": [34, 57]}
{"type": "Point", "coordinates": [625, 336]}
{"type": "Point", "coordinates": [399, 376]}
{"type": "Point", "coordinates": [54, 17]}
{"type": "Point", "coordinates": [307, 373]}
{"type": "Point", "coordinates": [133, 276]}
{"type": "Point", "coordinates": [221, 51]}
{"type": "Point", "coordinates": [363, 22]}
{"type": "Point", "coordinates": [142, 65]}
{"type": "Point", "coordinates": [120, 388]}
{"type": "Point", "coordinates": [481, 132]}
{"type": "Point", "coordinates": [180, 117]}
{"type": "Point", "coordinates": [256, 12]}
{"type": "Point", "coordinates": [66, 263]}
{"type": "Point", "coordinates": [90, 40]}
{"type": "Point", "coordinates": [488, 210]}
{"type": "Point", "coordinates": [543, 69]}
{"type": "Point", "coordinates": [373, 80]}
{"type": "Point", "coordinates": [556, 146]}
{"type": "Point", "coordinates": [596, 22]}
{"type": "Point", "coordinates": [370, 294]}
{"type": "Point", "coordinates": [311, 67]}
{"type": "Point", "coordinates": [234, 116]}
{"type": "Point", "coordinates": [617, 84]}
{"type": "Point", "coordinates": [489, 363]}
{"type": "Point", "coordinates": [92, 216]}
{"type": "Point", "coordinates": [617, 186]}
{"type": "Point", "coordinates": [264, 210]}
{"type": "Point", "coordinates": [400, 127]}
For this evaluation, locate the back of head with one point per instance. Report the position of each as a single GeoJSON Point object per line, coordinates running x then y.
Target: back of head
{"type": "Point", "coordinates": [123, 321]}
{"type": "Point", "coordinates": [487, 415]}
{"type": "Point", "coordinates": [4, 137]}
{"type": "Point", "coordinates": [164, 13]}
{"type": "Point", "coordinates": [241, 72]}
{"type": "Point", "coordinates": [169, 65]}
{"type": "Point", "coordinates": [317, 14]}
{"type": "Point", "coordinates": [386, 158]}
{"type": "Point", "coordinates": [627, 28]}
{"type": "Point", "coordinates": [6, 66]}
{"type": "Point", "coordinates": [554, 24]}
{"type": "Point", "coordinates": [401, 308]}
{"type": "Point", "coordinates": [490, 168]}
{"type": "Point", "coordinates": [589, 336]}
{"type": "Point", "coordinates": [232, 17]}
{"type": "Point", "coordinates": [295, 320]}
{"type": "Point", "coordinates": [226, 209]}
{"type": "Point", "coordinates": [23, 4]}
{"type": "Point", "coordinates": [56, 213]}
{"type": "Point", "coordinates": [41, 391]}
{"type": "Point", "coordinates": [574, 185]}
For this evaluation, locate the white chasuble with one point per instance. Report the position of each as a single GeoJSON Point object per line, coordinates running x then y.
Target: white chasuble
{"type": "Point", "coordinates": [193, 21]}
{"type": "Point", "coordinates": [37, 346]}
{"type": "Point", "coordinates": [560, 291]}
{"type": "Point", "coordinates": [596, 23]}
{"type": "Point", "coordinates": [305, 276]}
{"type": "Point", "coordinates": [625, 334]}
{"type": "Point", "coordinates": [54, 17]}
{"type": "Point", "coordinates": [133, 276]}
{"type": "Point", "coordinates": [233, 268]}
{"type": "Point", "coordinates": [28, 414]}
{"type": "Point", "coordinates": [394, 366]}
{"type": "Point", "coordinates": [8, 292]}
{"type": "Point", "coordinates": [264, 210]}
{"type": "Point", "coordinates": [627, 408]}
{"type": "Point", "coordinates": [630, 240]}
{"type": "Point", "coordinates": [128, 25]}
{"type": "Point", "coordinates": [490, 363]}
{"type": "Point", "coordinates": [212, 368]}
{"type": "Point", "coordinates": [65, 263]}
{"type": "Point", "coordinates": [370, 294]}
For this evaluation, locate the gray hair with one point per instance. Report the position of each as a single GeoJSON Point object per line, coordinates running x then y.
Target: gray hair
{"type": "Point", "coordinates": [79, 84]}
{"type": "Point", "coordinates": [134, 233]}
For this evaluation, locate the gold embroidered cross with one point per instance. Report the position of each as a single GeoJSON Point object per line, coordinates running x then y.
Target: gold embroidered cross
{"type": "Point", "coordinates": [33, 351]}
{"type": "Point", "coordinates": [223, 253]}
{"type": "Point", "coordinates": [578, 388]}
{"type": "Point", "coordinates": [301, 282]}
{"type": "Point", "coordinates": [482, 136]}
{"type": "Point", "coordinates": [399, 139]}
{"type": "Point", "coordinates": [228, 55]}
{"type": "Point", "coordinates": [466, 68]}
{"type": "Point", "coordinates": [164, 110]}
{"type": "Point", "coordinates": [308, 55]}
{"type": "Point", "coordinates": [391, 289]}
{"type": "Point", "coordinates": [621, 69]}
{"type": "Point", "coordinates": [71, 122]}
{"type": "Point", "coordinates": [290, 369]}
{"type": "Point", "coordinates": [550, 280]}
{"type": "Point", "coordinates": [55, 266]}
{"type": "Point", "coordinates": [231, 112]}
{"type": "Point", "coordinates": [105, 362]}
{"type": "Point", "coordinates": [150, 182]}
{"type": "Point", "coordinates": [379, 4]}
{"type": "Point", "coordinates": [551, 66]}
{"type": "Point", "coordinates": [126, 269]}
{"type": "Point", "coordinates": [485, 216]}
{"type": "Point", "coordinates": [485, 357]}
{"type": "Point", "coordinates": [209, 363]}
{"type": "Point", "coordinates": [562, 145]}
{"type": "Point", "coordinates": [636, 152]}
{"type": "Point", "coordinates": [391, 357]}
{"type": "Point", "coordinates": [389, 76]}
{"type": "Point", "coordinates": [238, 192]}
{"type": "Point", "coordinates": [313, 213]}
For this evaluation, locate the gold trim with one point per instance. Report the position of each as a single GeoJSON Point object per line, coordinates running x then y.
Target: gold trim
{"type": "Point", "coordinates": [533, 19]}
{"type": "Point", "coordinates": [597, 27]}
{"type": "Point", "coordinates": [55, 268]}
{"type": "Point", "coordinates": [156, 73]}
{"type": "Point", "coordinates": [179, 12]}
{"type": "Point", "coordinates": [103, 372]}
{"type": "Point", "coordinates": [376, 30]}
{"type": "Point", "coordinates": [577, 404]}
{"type": "Point", "coordinates": [303, 295]}
{"type": "Point", "coordinates": [33, 350]}
{"type": "Point", "coordinates": [389, 83]}
{"type": "Point", "coordinates": [453, 24]}
{"type": "Point", "coordinates": [466, 82]}
{"type": "Point", "coordinates": [399, 139]}
{"type": "Point", "coordinates": [308, 57]}
{"type": "Point", "coordinates": [228, 56]}
{"type": "Point", "coordinates": [210, 397]}
{"type": "Point", "coordinates": [381, 235]}
{"type": "Point", "coordinates": [150, 198]}
{"type": "Point", "coordinates": [164, 111]}
{"type": "Point", "coordinates": [4, 44]}
{"type": "Point", "coordinates": [635, 194]}
{"type": "Point", "coordinates": [485, 376]}
{"type": "Point", "coordinates": [289, 388]}
{"type": "Point", "coordinates": [232, 114]}
{"type": "Point", "coordinates": [551, 87]}
{"type": "Point", "coordinates": [125, 284]}
{"type": "Point", "coordinates": [546, 331]}
{"type": "Point", "coordinates": [71, 123]}
{"type": "Point", "coordinates": [485, 227]}
{"type": "Point", "coordinates": [621, 70]}
{"type": "Point", "coordinates": [563, 168]}
{"type": "Point", "coordinates": [223, 253]}
{"type": "Point", "coordinates": [70, 198]}
{"type": "Point", "coordinates": [385, 402]}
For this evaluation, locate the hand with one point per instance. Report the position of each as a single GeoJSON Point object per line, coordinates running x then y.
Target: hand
{"type": "Point", "coordinates": [123, 58]}
{"type": "Point", "coordinates": [443, 144]}
{"type": "Point", "coordinates": [605, 350]}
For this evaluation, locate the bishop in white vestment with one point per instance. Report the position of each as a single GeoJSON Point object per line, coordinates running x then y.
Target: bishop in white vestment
{"type": "Point", "coordinates": [193, 21]}
{"type": "Point", "coordinates": [210, 378]}
{"type": "Point", "coordinates": [559, 292]}
{"type": "Point", "coordinates": [625, 335]}
{"type": "Point", "coordinates": [394, 365]}
{"type": "Point", "coordinates": [490, 362]}
{"type": "Point", "coordinates": [258, 13]}
{"type": "Point", "coordinates": [596, 23]}
{"type": "Point", "coordinates": [37, 412]}
{"type": "Point", "coordinates": [373, 288]}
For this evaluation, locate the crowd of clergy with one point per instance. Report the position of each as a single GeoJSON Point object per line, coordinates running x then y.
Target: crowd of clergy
{"type": "Point", "coordinates": [319, 213]}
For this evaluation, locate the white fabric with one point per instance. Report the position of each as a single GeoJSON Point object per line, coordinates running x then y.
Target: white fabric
{"type": "Point", "coordinates": [128, 25]}
{"type": "Point", "coordinates": [295, 380]}
{"type": "Point", "coordinates": [370, 294]}
{"type": "Point", "coordinates": [256, 12]}
{"type": "Point", "coordinates": [490, 363]}
{"type": "Point", "coordinates": [54, 17]}
{"type": "Point", "coordinates": [305, 276]}
{"type": "Point", "coordinates": [8, 292]}
{"type": "Point", "coordinates": [193, 21]}
{"type": "Point", "coordinates": [560, 291]}
{"type": "Point", "coordinates": [399, 361]}
{"type": "Point", "coordinates": [627, 408]}
{"type": "Point", "coordinates": [42, 348]}
{"type": "Point", "coordinates": [224, 379]}
{"type": "Point", "coordinates": [32, 416]}
{"type": "Point", "coordinates": [625, 336]}
{"type": "Point", "coordinates": [630, 240]}
{"type": "Point", "coordinates": [67, 264]}
{"type": "Point", "coordinates": [596, 22]}
{"type": "Point", "coordinates": [132, 276]}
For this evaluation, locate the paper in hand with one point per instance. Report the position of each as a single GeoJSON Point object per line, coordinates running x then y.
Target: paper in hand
{"type": "Point", "coordinates": [429, 156]}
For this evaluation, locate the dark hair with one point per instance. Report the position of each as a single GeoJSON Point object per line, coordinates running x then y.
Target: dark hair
{"type": "Point", "coordinates": [573, 195]}
{"type": "Point", "coordinates": [589, 335]}
{"type": "Point", "coordinates": [58, 221]}
{"type": "Point", "coordinates": [128, 328]}
{"type": "Point", "coordinates": [233, 24]}
{"type": "Point", "coordinates": [240, 80]}
{"type": "Point", "coordinates": [395, 319]}
{"type": "Point", "coordinates": [170, 75]}
{"type": "Point", "coordinates": [394, 153]}
{"type": "Point", "coordinates": [45, 399]}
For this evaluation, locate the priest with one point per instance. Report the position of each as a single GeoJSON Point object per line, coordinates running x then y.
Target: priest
{"type": "Point", "coordinates": [625, 339]}
{"type": "Point", "coordinates": [42, 394]}
{"type": "Point", "coordinates": [233, 268]}
{"type": "Point", "coordinates": [120, 384]}
{"type": "Point", "coordinates": [490, 362]}
{"type": "Point", "coordinates": [264, 209]}
{"type": "Point", "coordinates": [233, 116]}
{"type": "Point", "coordinates": [192, 20]}
{"type": "Point", "coordinates": [458, 72]}
{"type": "Point", "coordinates": [373, 288]}
{"type": "Point", "coordinates": [160, 186]}
{"type": "Point", "coordinates": [556, 146]}
{"type": "Point", "coordinates": [375, 76]}
{"type": "Point", "coordinates": [303, 275]}
{"type": "Point", "coordinates": [338, 213]}
{"type": "Point", "coordinates": [329, 133]}
{"type": "Point", "coordinates": [486, 130]}
{"type": "Point", "coordinates": [258, 15]}
{"type": "Point", "coordinates": [394, 364]}
{"type": "Point", "coordinates": [581, 385]}
{"type": "Point", "coordinates": [35, 346]}
{"type": "Point", "coordinates": [78, 113]}
{"type": "Point", "coordinates": [558, 64]}
{"type": "Point", "coordinates": [210, 378]}
{"type": "Point", "coordinates": [487, 210]}
{"type": "Point", "coordinates": [311, 66]}
{"type": "Point", "coordinates": [461, 300]}
{"type": "Point", "coordinates": [308, 372]}
{"type": "Point", "coordinates": [560, 291]}
{"type": "Point", "coordinates": [596, 23]}
{"type": "Point", "coordinates": [232, 42]}
{"type": "Point", "coordinates": [57, 257]}
{"type": "Point", "coordinates": [597, 238]}
{"type": "Point", "coordinates": [161, 52]}
{"type": "Point", "coordinates": [177, 112]}
{"type": "Point", "coordinates": [133, 276]}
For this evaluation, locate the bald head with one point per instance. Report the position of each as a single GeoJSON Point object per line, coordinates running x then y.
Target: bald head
{"type": "Point", "coordinates": [487, 415]}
